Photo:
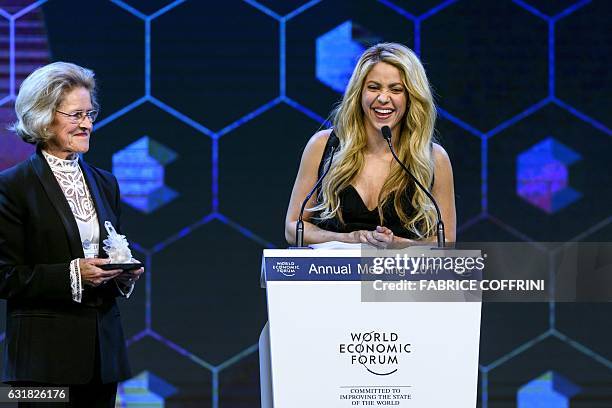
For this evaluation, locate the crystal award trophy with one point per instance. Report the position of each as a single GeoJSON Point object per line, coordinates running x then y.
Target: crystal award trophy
{"type": "Point", "coordinates": [117, 248]}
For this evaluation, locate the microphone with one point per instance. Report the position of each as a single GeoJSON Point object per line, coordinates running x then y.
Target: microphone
{"type": "Point", "coordinates": [386, 134]}
{"type": "Point", "coordinates": [334, 142]}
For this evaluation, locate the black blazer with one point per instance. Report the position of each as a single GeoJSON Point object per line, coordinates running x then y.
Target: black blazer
{"type": "Point", "coordinates": [49, 337]}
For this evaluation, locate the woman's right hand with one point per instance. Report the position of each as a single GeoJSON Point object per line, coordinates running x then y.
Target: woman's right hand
{"type": "Point", "coordinates": [92, 275]}
{"type": "Point", "coordinates": [358, 237]}
{"type": "Point", "coordinates": [381, 237]}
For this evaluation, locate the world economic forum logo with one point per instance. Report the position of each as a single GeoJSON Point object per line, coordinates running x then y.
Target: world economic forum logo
{"type": "Point", "coordinates": [380, 353]}
{"type": "Point", "coordinates": [286, 268]}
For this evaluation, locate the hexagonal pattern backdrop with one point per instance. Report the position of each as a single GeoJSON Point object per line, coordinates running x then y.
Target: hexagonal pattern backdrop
{"type": "Point", "coordinates": [210, 104]}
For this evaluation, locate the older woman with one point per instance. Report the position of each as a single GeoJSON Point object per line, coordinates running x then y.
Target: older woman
{"type": "Point", "coordinates": [366, 197]}
{"type": "Point", "coordinates": [63, 324]}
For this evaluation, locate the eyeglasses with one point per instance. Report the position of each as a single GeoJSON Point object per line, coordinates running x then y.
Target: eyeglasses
{"type": "Point", "coordinates": [79, 116]}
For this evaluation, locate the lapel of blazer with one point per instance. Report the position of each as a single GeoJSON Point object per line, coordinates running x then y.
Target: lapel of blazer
{"type": "Point", "coordinates": [57, 198]}
{"type": "Point", "coordinates": [100, 204]}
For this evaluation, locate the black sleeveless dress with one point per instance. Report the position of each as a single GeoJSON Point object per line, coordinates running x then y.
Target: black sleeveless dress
{"type": "Point", "coordinates": [356, 214]}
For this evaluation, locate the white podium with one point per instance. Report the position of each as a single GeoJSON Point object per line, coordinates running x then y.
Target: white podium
{"type": "Point", "coordinates": [324, 347]}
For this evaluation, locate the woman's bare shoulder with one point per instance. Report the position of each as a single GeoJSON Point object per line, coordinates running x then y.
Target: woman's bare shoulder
{"type": "Point", "coordinates": [443, 168]}
{"type": "Point", "coordinates": [317, 142]}
{"type": "Point", "coordinates": [440, 156]}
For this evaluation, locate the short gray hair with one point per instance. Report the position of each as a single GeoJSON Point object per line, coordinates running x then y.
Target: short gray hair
{"type": "Point", "coordinates": [42, 92]}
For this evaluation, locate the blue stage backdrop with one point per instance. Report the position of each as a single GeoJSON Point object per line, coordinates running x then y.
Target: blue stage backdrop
{"type": "Point", "coordinates": [206, 106]}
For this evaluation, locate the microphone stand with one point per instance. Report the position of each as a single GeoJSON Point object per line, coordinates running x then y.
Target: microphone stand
{"type": "Point", "coordinates": [386, 133]}
{"type": "Point", "coordinates": [299, 226]}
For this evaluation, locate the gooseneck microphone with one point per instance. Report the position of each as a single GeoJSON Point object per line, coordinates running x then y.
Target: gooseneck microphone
{"type": "Point", "coordinates": [386, 134]}
{"type": "Point", "coordinates": [334, 142]}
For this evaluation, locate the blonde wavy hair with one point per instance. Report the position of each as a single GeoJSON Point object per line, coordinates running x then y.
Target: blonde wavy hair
{"type": "Point", "coordinates": [413, 147]}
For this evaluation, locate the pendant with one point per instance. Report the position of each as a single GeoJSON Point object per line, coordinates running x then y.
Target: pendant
{"type": "Point", "coordinates": [86, 244]}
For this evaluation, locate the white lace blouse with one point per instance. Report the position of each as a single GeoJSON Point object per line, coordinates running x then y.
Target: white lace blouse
{"type": "Point", "coordinates": [70, 178]}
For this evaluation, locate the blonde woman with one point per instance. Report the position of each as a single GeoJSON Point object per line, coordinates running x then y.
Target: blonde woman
{"type": "Point", "coordinates": [366, 197]}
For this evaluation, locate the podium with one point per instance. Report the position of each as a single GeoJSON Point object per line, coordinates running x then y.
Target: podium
{"type": "Point", "coordinates": [325, 347]}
